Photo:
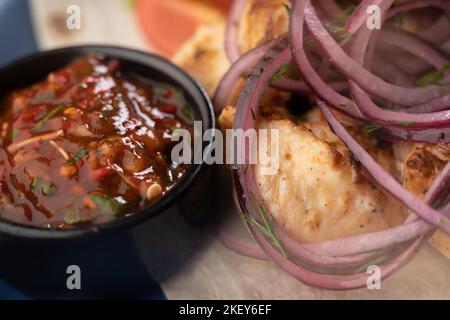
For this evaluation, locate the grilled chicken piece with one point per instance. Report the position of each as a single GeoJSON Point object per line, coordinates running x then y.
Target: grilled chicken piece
{"type": "Point", "coordinates": [320, 191]}
{"type": "Point", "coordinates": [263, 20]}
{"type": "Point", "coordinates": [203, 56]}
{"type": "Point", "coordinates": [420, 168]}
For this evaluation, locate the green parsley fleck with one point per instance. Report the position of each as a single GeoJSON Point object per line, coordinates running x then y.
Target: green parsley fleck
{"type": "Point", "coordinates": [77, 156]}
{"type": "Point", "coordinates": [433, 77]}
{"type": "Point", "coordinates": [49, 115]}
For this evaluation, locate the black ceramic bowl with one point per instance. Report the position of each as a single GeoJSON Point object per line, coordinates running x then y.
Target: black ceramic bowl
{"type": "Point", "coordinates": [187, 192]}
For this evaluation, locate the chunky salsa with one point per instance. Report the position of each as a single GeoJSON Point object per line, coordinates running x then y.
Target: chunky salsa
{"type": "Point", "coordinates": [87, 145]}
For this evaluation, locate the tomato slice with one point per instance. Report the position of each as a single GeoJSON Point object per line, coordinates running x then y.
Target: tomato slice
{"type": "Point", "coordinates": [167, 24]}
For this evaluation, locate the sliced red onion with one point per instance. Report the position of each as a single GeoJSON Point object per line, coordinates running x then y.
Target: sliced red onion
{"type": "Point", "coordinates": [231, 37]}
{"type": "Point", "coordinates": [236, 71]}
{"type": "Point", "coordinates": [295, 249]}
{"type": "Point", "coordinates": [311, 77]}
{"type": "Point", "coordinates": [408, 63]}
{"type": "Point", "coordinates": [241, 246]}
{"type": "Point", "coordinates": [434, 135]}
{"type": "Point", "coordinates": [357, 73]}
{"type": "Point", "coordinates": [389, 70]}
{"type": "Point", "coordinates": [414, 45]}
{"type": "Point", "coordinates": [388, 117]}
{"type": "Point", "coordinates": [299, 86]}
{"type": "Point", "coordinates": [438, 32]}
{"type": "Point", "coordinates": [379, 174]}
{"type": "Point", "coordinates": [446, 46]}
{"type": "Point", "coordinates": [340, 255]}
{"type": "Point", "coordinates": [249, 101]}
{"type": "Point", "coordinates": [397, 118]}
{"type": "Point", "coordinates": [360, 15]}
{"type": "Point", "coordinates": [437, 105]}
{"type": "Point", "coordinates": [330, 8]}
{"type": "Point", "coordinates": [333, 282]}
{"type": "Point", "coordinates": [418, 4]}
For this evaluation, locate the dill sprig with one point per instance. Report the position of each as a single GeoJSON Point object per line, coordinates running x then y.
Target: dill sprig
{"type": "Point", "coordinates": [287, 8]}
{"type": "Point", "coordinates": [433, 77]}
{"type": "Point", "coordinates": [266, 227]}
{"type": "Point", "coordinates": [282, 72]}
{"type": "Point", "coordinates": [377, 261]}
{"type": "Point", "coordinates": [370, 128]}
{"type": "Point", "coordinates": [407, 123]}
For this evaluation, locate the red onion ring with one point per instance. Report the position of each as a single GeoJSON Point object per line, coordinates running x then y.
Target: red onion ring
{"type": "Point", "coordinates": [350, 251]}
{"type": "Point", "coordinates": [298, 86]}
{"type": "Point", "coordinates": [244, 120]}
{"type": "Point", "coordinates": [438, 32]}
{"type": "Point", "coordinates": [330, 8]}
{"type": "Point", "coordinates": [418, 4]}
{"type": "Point", "coordinates": [360, 15]}
{"type": "Point", "coordinates": [241, 246]}
{"type": "Point", "coordinates": [242, 65]}
{"type": "Point", "coordinates": [332, 282]}
{"type": "Point", "coordinates": [413, 45]}
{"type": "Point", "coordinates": [231, 36]}
{"type": "Point", "coordinates": [365, 79]}
{"type": "Point", "coordinates": [389, 70]}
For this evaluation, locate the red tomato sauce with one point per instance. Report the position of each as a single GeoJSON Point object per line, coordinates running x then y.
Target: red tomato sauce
{"type": "Point", "coordinates": [88, 145]}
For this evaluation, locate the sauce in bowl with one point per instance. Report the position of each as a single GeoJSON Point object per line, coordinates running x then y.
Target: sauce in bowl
{"type": "Point", "coordinates": [88, 145]}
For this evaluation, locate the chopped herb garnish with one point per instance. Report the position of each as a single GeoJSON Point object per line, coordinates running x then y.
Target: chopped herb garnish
{"type": "Point", "coordinates": [113, 138]}
{"type": "Point", "coordinates": [407, 123]}
{"type": "Point", "coordinates": [281, 73]}
{"type": "Point", "coordinates": [36, 184]}
{"type": "Point", "coordinates": [288, 8]}
{"type": "Point", "coordinates": [77, 156]}
{"type": "Point", "coordinates": [15, 134]}
{"type": "Point", "coordinates": [346, 12]}
{"type": "Point", "coordinates": [187, 112]}
{"type": "Point", "coordinates": [375, 262]}
{"type": "Point", "coordinates": [174, 131]}
{"type": "Point", "coordinates": [253, 113]}
{"type": "Point", "coordinates": [48, 189]}
{"type": "Point", "coordinates": [370, 127]}
{"type": "Point", "coordinates": [72, 216]}
{"type": "Point", "coordinates": [340, 33]}
{"type": "Point", "coordinates": [49, 115]}
{"type": "Point", "coordinates": [104, 115]}
{"type": "Point", "coordinates": [433, 77]}
{"type": "Point", "coordinates": [267, 228]}
{"type": "Point", "coordinates": [390, 105]}
{"type": "Point", "coordinates": [108, 205]}
{"type": "Point", "coordinates": [342, 36]}
{"type": "Point", "coordinates": [441, 221]}
{"type": "Point", "coordinates": [437, 204]}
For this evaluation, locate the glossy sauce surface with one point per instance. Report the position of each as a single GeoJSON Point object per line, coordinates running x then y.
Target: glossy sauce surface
{"type": "Point", "coordinates": [87, 145]}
